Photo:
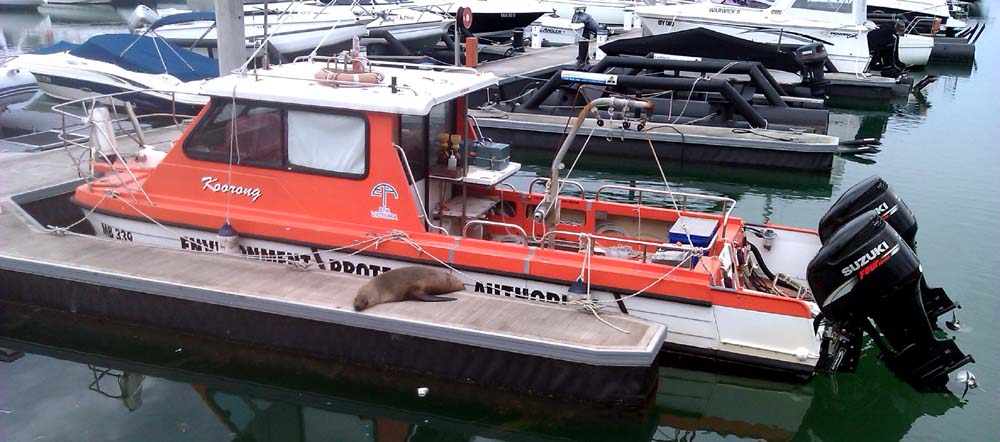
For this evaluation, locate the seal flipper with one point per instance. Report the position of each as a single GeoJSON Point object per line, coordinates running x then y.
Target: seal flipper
{"type": "Point", "coordinates": [420, 296]}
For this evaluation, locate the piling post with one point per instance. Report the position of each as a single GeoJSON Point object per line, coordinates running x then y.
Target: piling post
{"type": "Point", "coordinates": [231, 36]}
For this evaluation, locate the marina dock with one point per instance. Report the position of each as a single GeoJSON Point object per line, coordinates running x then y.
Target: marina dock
{"type": "Point", "coordinates": [310, 311]}
{"type": "Point", "coordinates": [540, 63]}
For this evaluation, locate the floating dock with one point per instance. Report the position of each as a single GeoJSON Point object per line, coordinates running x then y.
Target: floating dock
{"type": "Point", "coordinates": [542, 349]}
{"type": "Point", "coordinates": [673, 142]}
{"type": "Point", "coordinates": [540, 63]}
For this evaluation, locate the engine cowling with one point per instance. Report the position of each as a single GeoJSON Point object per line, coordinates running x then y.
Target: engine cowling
{"type": "Point", "coordinates": [867, 278]}
{"type": "Point", "coordinates": [873, 193]}
{"type": "Point", "coordinates": [813, 58]}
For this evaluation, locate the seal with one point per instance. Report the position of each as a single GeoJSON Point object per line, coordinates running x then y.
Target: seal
{"type": "Point", "coordinates": [407, 283]}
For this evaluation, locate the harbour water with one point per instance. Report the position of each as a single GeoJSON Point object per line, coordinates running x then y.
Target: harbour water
{"type": "Point", "coordinates": [86, 380]}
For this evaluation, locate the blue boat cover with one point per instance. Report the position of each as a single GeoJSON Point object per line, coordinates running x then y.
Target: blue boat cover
{"type": "Point", "coordinates": [183, 17]}
{"type": "Point", "coordinates": [149, 55]}
{"type": "Point", "coordinates": [60, 46]}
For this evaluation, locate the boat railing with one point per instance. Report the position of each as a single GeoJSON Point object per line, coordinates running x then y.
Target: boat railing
{"type": "Point", "coordinates": [386, 63]}
{"type": "Point", "coordinates": [506, 226]}
{"type": "Point", "coordinates": [106, 138]}
{"type": "Point", "coordinates": [562, 182]}
{"type": "Point", "coordinates": [912, 25]}
{"type": "Point", "coordinates": [727, 203]}
{"type": "Point", "coordinates": [550, 238]}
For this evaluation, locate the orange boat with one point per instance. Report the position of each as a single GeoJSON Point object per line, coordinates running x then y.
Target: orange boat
{"type": "Point", "coordinates": [361, 177]}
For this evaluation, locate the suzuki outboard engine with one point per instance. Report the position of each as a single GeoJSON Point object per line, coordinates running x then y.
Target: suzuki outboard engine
{"type": "Point", "coordinates": [873, 193]}
{"type": "Point", "coordinates": [812, 57]}
{"type": "Point", "coordinates": [867, 279]}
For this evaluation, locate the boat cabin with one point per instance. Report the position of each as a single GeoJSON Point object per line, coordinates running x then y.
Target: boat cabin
{"type": "Point", "coordinates": [299, 155]}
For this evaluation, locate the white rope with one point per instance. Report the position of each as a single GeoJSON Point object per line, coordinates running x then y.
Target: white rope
{"type": "Point", "coordinates": [63, 230]}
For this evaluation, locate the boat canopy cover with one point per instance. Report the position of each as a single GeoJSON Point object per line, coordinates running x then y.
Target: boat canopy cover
{"type": "Point", "coordinates": [60, 46]}
{"type": "Point", "coordinates": [701, 42]}
{"type": "Point", "coordinates": [184, 17]}
{"type": "Point", "coordinates": [149, 55]}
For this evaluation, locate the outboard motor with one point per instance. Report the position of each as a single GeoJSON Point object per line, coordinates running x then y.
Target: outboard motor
{"type": "Point", "coordinates": [873, 193]}
{"type": "Point", "coordinates": [142, 16]}
{"type": "Point", "coordinates": [812, 57]}
{"type": "Point", "coordinates": [590, 26]}
{"type": "Point", "coordinates": [867, 279]}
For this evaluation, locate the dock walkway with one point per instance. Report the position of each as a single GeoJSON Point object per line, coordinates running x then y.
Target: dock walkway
{"type": "Point", "coordinates": [304, 309]}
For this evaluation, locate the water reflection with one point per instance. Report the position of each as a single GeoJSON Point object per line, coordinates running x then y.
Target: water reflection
{"type": "Point", "coordinates": [129, 380]}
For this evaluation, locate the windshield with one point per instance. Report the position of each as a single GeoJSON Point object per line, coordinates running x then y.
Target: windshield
{"type": "Point", "coordinates": [756, 4]}
{"type": "Point", "coordinates": [844, 6]}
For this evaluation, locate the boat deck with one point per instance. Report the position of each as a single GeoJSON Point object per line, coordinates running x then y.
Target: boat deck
{"type": "Point", "coordinates": [546, 332]}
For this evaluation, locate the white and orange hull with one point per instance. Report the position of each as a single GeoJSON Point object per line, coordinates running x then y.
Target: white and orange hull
{"type": "Point", "coordinates": [768, 340]}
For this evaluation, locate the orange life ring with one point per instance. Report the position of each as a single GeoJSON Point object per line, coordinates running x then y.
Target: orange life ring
{"type": "Point", "coordinates": [339, 78]}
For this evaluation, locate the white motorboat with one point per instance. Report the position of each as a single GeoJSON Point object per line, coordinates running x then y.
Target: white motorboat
{"type": "Point", "coordinates": [605, 12]}
{"type": "Point", "coordinates": [915, 50]}
{"type": "Point", "coordinates": [556, 31]}
{"type": "Point", "coordinates": [120, 64]}
{"type": "Point", "coordinates": [942, 10]}
{"type": "Point", "coordinates": [16, 85]}
{"type": "Point", "coordinates": [840, 25]}
{"type": "Point", "coordinates": [290, 28]}
{"type": "Point", "coordinates": [396, 23]}
{"type": "Point", "coordinates": [78, 2]}
{"type": "Point", "coordinates": [21, 3]}
{"type": "Point", "coordinates": [491, 17]}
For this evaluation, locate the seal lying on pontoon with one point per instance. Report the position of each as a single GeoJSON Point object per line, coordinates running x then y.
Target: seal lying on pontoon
{"type": "Point", "coordinates": [407, 283]}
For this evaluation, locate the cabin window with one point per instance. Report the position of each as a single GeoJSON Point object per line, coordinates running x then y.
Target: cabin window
{"type": "Point", "coordinates": [258, 136]}
{"type": "Point", "coordinates": [440, 127]}
{"type": "Point", "coordinates": [413, 139]}
{"type": "Point", "coordinates": [844, 6]}
{"type": "Point", "coordinates": [335, 143]}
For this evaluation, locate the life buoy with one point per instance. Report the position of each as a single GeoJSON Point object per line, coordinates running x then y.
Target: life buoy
{"type": "Point", "coordinates": [339, 78]}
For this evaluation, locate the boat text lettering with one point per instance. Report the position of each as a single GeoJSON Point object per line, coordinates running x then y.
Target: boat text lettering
{"type": "Point", "coordinates": [724, 10]}
{"type": "Point", "coordinates": [885, 211]}
{"type": "Point", "coordinates": [212, 183]}
{"type": "Point", "coordinates": [116, 233]}
{"type": "Point", "coordinates": [870, 261]}
{"type": "Point", "coordinates": [844, 34]}
{"type": "Point", "coordinates": [491, 288]}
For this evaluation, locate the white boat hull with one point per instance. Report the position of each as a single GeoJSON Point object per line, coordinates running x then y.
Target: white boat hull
{"type": "Point", "coordinates": [786, 343]}
{"type": "Point", "coordinates": [606, 12]}
{"type": "Point", "coordinates": [15, 86]}
{"type": "Point", "coordinates": [66, 77]}
{"type": "Point", "coordinates": [20, 3]}
{"type": "Point", "coordinates": [915, 50]}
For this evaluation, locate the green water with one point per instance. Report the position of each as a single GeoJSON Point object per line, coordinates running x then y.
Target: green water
{"type": "Point", "coordinates": [941, 152]}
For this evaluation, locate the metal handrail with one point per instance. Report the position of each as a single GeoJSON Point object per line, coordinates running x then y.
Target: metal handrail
{"type": "Point", "coordinates": [387, 63]}
{"type": "Point", "coordinates": [583, 193]}
{"type": "Point", "coordinates": [420, 201]}
{"type": "Point", "coordinates": [62, 109]}
{"type": "Point", "coordinates": [465, 230]}
{"type": "Point", "coordinates": [696, 251]}
{"type": "Point", "coordinates": [914, 22]}
{"type": "Point", "coordinates": [728, 204]}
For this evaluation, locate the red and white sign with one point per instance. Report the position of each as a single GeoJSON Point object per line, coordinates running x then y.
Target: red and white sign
{"type": "Point", "coordinates": [466, 18]}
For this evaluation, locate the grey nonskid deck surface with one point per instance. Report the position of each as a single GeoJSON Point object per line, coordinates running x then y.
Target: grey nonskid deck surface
{"type": "Point", "coordinates": [541, 59]}
{"type": "Point", "coordinates": [551, 331]}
